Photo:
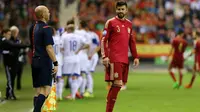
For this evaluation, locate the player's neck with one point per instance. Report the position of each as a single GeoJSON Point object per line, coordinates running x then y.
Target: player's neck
{"type": "Point", "coordinates": [43, 20]}
{"type": "Point", "coordinates": [120, 18]}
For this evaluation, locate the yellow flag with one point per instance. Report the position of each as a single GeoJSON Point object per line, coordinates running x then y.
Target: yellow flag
{"type": "Point", "coordinates": [50, 103]}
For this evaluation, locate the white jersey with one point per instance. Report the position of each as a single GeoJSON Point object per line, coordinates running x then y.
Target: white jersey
{"type": "Point", "coordinates": [71, 43]}
{"type": "Point", "coordinates": [57, 48]}
{"type": "Point", "coordinates": [94, 42]}
{"type": "Point", "coordinates": [86, 36]}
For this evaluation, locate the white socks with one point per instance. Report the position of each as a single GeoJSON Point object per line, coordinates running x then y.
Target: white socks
{"type": "Point", "coordinates": [89, 83]}
{"type": "Point", "coordinates": [74, 88]}
{"type": "Point", "coordinates": [60, 85]}
{"type": "Point", "coordinates": [79, 81]}
{"type": "Point", "coordinates": [83, 85]}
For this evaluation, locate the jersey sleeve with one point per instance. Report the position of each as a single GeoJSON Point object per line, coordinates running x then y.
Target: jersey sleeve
{"type": "Point", "coordinates": [104, 40]}
{"type": "Point", "coordinates": [88, 38]}
{"type": "Point", "coordinates": [83, 41]}
{"type": "Point", "coordinates": [174, 43]}
{"type": "Point", "coordinates": [48, 39]}
{"type": "Point", "coordinates": [132, 45]}
{"type": "Point", "coordinates": [95, 39]}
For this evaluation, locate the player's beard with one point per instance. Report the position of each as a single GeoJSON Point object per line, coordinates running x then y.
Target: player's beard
{"type": "Point", "coordinates": [120, 15]}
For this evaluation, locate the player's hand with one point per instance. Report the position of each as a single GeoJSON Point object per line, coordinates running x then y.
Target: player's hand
{"type": "Point", "coordinates": [106, 61]}
{"type": "Point", "coordinates": [77, 52]}
{"type": "Point", "coordinates": [136, 62]}
{"type": "Point", "coordinates": [55, 69]}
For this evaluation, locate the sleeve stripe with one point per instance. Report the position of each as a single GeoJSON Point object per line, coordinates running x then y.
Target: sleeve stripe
{"type": "Point", "coordinates": [102, 47]}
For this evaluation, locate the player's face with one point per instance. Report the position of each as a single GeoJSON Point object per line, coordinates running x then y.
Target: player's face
{"type": "Point", "coordinates": [7, 35]}
{"type": "Point", "coordinates": [121, 11]}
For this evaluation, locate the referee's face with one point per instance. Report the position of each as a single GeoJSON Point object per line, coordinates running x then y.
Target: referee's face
{"type": "Point", "coordinates": [46, 14]}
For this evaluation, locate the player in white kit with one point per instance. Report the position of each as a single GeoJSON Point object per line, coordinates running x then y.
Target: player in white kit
{"type": "Point", "coordinates": [84, 61]}
{"type": "Point", "coordinates": [57, 49]}
{"type": "Point", "coordinates": [72, 45]}
{"type": "Point", "coordinates": [93, 60]}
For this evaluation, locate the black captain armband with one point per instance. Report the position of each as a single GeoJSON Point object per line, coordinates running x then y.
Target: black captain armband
{"type": "Point", "coordinates": [55, 63]}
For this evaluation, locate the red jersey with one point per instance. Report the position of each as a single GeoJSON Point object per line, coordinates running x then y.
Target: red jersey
{"type": "Point", "coordinates": [197, 51]}
{"type": "Point", "coordinates": [117, 39]}
{"type": "Point", "coordinates": [179, 45]}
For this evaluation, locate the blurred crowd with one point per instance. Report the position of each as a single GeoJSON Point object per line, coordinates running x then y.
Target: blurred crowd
{"type": "Point", "coordinates": [154, 21]}
{"type": "Point", "coordinates": [21, 14]}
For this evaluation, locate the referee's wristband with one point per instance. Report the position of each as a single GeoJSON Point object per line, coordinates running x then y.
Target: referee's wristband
{"type": "Point", "coordinates": [55, 63]}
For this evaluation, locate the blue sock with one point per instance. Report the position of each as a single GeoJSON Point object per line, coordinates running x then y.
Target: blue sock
{"type": "Point", "coordinates": [35, 100]}
{"type": "Point", "coordinates": [40, 100]}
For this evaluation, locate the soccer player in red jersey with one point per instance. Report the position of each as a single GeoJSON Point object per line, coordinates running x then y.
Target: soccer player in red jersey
{"type": "Point", "coordinates": [178, 48]}
{"type": "Point", "coordinates": [116, 40]}
{"type": "Point", "coordinates": [196, 67]}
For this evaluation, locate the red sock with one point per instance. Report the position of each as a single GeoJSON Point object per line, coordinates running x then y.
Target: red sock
{"type": "Point", "coordinates": [192, 80]}
{"type": "Point", "coordinates": [180, 78]}
{"type": "Point", "coordinates": [172, 75]}
{"type": "Point", "coordinates": [111, 98]}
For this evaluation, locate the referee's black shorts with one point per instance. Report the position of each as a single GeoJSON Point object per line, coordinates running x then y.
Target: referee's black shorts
{"type": "Point", "coordinates": [41, 72]}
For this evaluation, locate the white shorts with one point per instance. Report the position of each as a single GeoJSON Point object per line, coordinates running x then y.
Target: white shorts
{"type": "Point", "coordinates": [71, 66]}
{"type": "Point", "coordinates": [71, 69]}
{"type": "Point", "coordinates": [93, 62]}
{"type": "Point", "coordinates": [60, 65]}
{"type": "Point", "coordinates": [84, 63]}
{"type": "Point", "coordinates": [59, 73]}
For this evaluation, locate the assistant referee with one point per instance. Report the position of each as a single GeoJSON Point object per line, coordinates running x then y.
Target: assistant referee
{"type": "Point", "coordinates": [43, 56]}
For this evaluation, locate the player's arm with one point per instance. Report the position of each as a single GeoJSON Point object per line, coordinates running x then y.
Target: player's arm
{"type": "Point", "coordinates": [96, 42]}
{"type": "Point", "coordinates": [8, 45]}
{"type": "Point", "coordinates": [50, 51]}
{"type": "Point", "coordinates": [132, 46]}
{"type": "Point", "coordinates": [95, 51]}
{"type": "Point", "coordinates": [62, 45]}
{"type": "Point", "coordinates": [48, 40]}
{"type": "Point", "coordinates": [192, 52]}
{"type": "Point", "coordinates": [85, 46]}
{"type": "Point", "coordinates": [104, 43]}
{"type": "Point", "coordinates": [171, 51]}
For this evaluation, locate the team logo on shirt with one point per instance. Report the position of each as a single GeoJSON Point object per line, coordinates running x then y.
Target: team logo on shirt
{"type": "Point", "coordinates": [116, 75]}
{"type": "Point", "coordinates": [104, 33]}
{"type": "Point", "coordinates": [129, 30]}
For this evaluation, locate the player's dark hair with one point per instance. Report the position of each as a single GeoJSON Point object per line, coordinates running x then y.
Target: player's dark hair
{"type": "Point", "coordinates": [5, 31]}
{"type": "Point", "coordinates": [180, 31]}
{"type": "Point", "coordinates": [83, 24]}
{"type": "Point", "coordinates": [71, 21]}
{"type": "Point", "coordinates": [121, 3]}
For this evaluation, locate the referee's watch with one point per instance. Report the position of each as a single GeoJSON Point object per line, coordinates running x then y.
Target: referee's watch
{"type": "Point", "coordinates": [55, 63]}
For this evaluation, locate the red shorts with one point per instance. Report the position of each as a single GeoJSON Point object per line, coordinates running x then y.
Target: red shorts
{"type": "Point", "coordinates": [175, 63]}
{"type": "Point", "coordinates": [117, 71]}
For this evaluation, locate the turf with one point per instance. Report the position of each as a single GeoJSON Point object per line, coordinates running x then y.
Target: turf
{"type": "Point", "coordinates": [147, 92]}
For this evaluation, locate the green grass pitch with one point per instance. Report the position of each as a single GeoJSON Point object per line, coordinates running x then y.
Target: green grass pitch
{"type": "Point", "coordinates": [147, 92]}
